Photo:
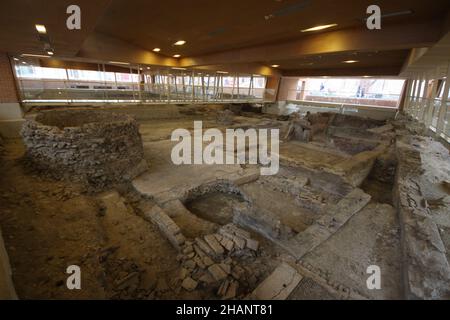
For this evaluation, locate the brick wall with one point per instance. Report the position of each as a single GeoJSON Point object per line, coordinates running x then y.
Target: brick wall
{"type": "Point", "coordinates": [8, 91]}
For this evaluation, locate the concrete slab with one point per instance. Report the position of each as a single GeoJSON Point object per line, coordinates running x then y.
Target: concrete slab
{"type": "Point", "coordinates": [278, 285]}
{"type": "Point", "coordinates": [336, 216]}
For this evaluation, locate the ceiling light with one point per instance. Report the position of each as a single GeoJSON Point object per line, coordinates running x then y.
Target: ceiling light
{"type": "Point", "coordinates": [176, 56]}
{"type": "Point", "coordinates": [317, 28]}
{"type": "Point", "coordinates": [148, 68]}
{"type": "Point", "coordinates": [157, 50]}
{"type": "Point", "coordinates": [50, 53]}
{"type": "Point", "coordinates": [224, 72]}
{"type": "Point", "coordinates": [366, 76]}
{"type": "Point", "coordinates": [118, 62]}
{"type": "Point", "coordinates": [34, 55]}
{"type": "Point", "coordinates": [24, 62]}
{"type": "Point", "coordinates": [16, 59]}
{"type": "Point", "coordinates": [275, 65]}
{"type": "Point", "coordinates": [179, 42]}
{"type": "Point", "coordinates": [350, 61]}
{"type": "Point", "coordinates": [41, 28]}
{"type": "Point", "coordinates": [174, 68]}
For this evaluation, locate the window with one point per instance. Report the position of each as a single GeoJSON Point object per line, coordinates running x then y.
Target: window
{"type": "Point", "coordinates": [367, 91]}
{"type": "Point", "coordinates": [33, 72]}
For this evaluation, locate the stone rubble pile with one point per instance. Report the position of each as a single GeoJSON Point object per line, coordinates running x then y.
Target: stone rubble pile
{"type": "Point", "coordinates": [210, 261]}
{"type": "Point", "coordinates": [225, 117]}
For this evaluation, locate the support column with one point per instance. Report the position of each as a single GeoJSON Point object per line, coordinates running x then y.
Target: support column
{"type": "Point", "coordinates": [11, 115]}
{"type": "Point", "coordinates": [288, 89]}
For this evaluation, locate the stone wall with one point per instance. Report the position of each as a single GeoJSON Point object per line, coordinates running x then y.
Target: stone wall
{"type": "Point", "coordinates": [425, 267]}
{"type": "Point", "coordinates": [93, 147]}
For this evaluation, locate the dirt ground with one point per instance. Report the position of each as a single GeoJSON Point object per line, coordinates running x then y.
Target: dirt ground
{"type": "Point", "coordinates": [49, 225]}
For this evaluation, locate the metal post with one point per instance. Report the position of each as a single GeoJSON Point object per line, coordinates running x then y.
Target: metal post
{"type": "Point", "coordinates": [238, 93]}
{"type": "Point", "coordinates": [203, 87]}
{"type": "Point", "coordinates": [430, 105]}
{"type": "Point", "coordinates": [104, 83]}
{"type": "Point", "coordinates": [443, 107]}
{"type": "Point", "coordinates": [232, 90]}
{"type": "Point", "coordinates": [139, 83]}
{"type": "Point", "coordinates": [249, 87]}
{"type": "Point", "coordinates": [424, 100]}
{"type": "Point", "coordinates": [418, 94]}
{"type": "Point", "coordinates": [168, 87]}
{"type": "Point", "coordinates": [65, 86]}
{"type": "Point", "coordinates": [193, 86]}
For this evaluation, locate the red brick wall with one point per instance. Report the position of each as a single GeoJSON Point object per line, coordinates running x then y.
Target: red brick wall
{"type": "Point", "coordinates": [8, 91]}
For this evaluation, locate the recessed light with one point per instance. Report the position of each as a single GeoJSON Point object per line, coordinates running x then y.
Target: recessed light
{"type": "Point", "coordinates": [118, 62]}
{"type": "Point", "coordinates": [224, 72]}
{"type": "Point", "coordinates": [40, 28]}
{"type": "Point", "coordinates": [34, 55]}
{"type": "Point", "coordinates": [179, 42]}
{"type": "Point", "coordinates": [176, 56]}
{"type": "Point", "coordinates": [367, 76]}
{"type": "Point", "coordinates": [275, 65]}
{"type": "Point", "coordinates": [175, 68]}
{"type": "Point", "coordinates": [148, 68]}
{"type": "Point", "coordinates": [24, 62]}
{"type": "Point", "coordinates": [157, 50]}
{"type": "Point", "coordinates": [16, 59]}
{"type": "Point", "coordinates": [350, 61]}
{"type": "Point", "coordinates": [317, 28]}
{"type": "Point", "coordinates": [50, 53]}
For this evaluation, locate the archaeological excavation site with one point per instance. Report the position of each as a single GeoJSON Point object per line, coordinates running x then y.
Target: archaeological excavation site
{"type": "Point", "coordinates": [256, 150]}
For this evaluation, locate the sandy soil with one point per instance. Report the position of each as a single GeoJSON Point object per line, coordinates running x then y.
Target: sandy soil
{"type": "Point", "coordinates": [49, 225]}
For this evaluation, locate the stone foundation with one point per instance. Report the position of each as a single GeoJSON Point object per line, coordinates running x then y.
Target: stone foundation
{"type": "Point", "coordinates": [93, 147]}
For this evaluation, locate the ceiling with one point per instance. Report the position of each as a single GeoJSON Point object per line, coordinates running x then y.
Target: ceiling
{"type": "Point", "coordinates": [18, 19]}
{"type": "Point", "coordinates": [213, 26]}
{"type": "Point", "coordinates": [252, 34]}
{"type": "Point", "coordinates": [386, 58]}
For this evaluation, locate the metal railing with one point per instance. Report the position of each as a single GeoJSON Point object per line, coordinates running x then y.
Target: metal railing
{"type": "Point", "coordinates": [433, 113]}
{"type": "Point", "coordinates": [345, 98]}
{"type": "Point", "coordinates": [38, 91]}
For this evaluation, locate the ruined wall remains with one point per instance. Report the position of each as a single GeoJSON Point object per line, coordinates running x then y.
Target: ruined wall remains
{"type": "Point", "coordinates": [93, 147]}
{"type": "Point", "coordinates": [426, 269]}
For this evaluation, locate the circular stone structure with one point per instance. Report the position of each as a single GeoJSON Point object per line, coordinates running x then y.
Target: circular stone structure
{"type": "Point", "coordinates": [99, 148]}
